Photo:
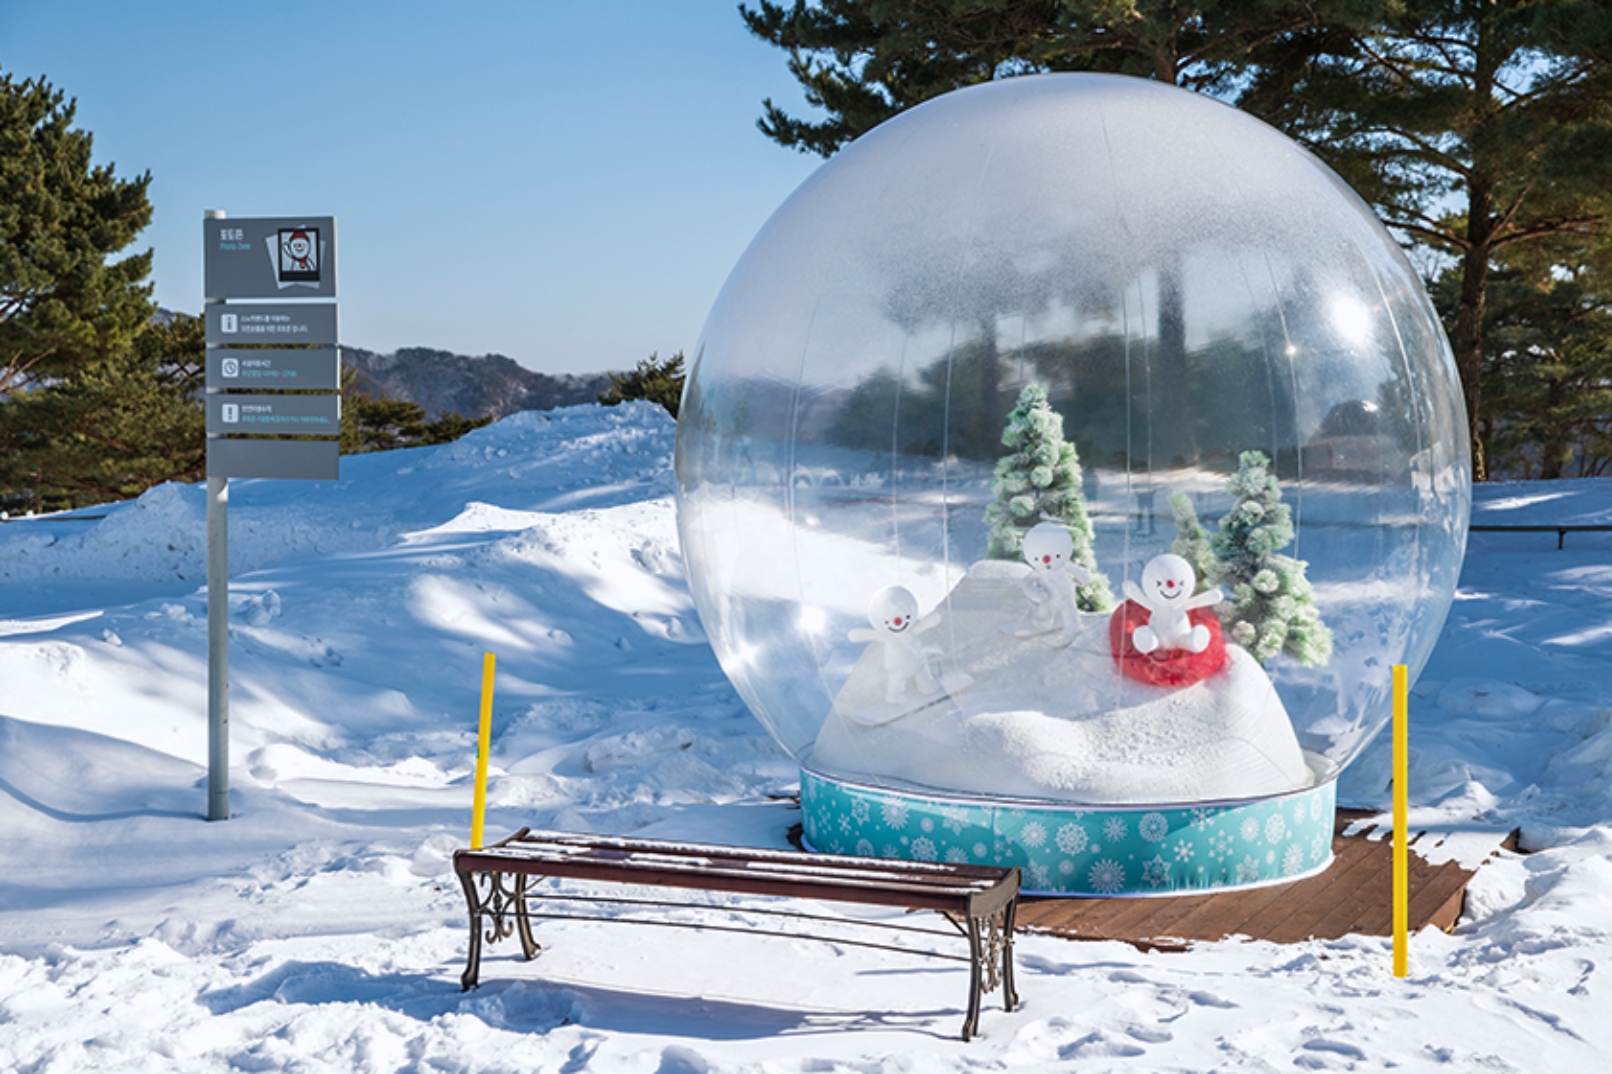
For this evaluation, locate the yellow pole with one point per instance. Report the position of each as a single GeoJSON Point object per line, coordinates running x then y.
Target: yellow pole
{"type": "Point", "coordinates": [484, 736]}
{"type": "Point", "coordinates": [1401, 822]}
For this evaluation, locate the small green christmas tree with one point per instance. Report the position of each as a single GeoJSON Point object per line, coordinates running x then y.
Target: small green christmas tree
{"type": "Point", "coordinates": [1040, 481]}
{"type": "Point", "coordinates": [1271, 608]}
{"type": "Point", "coordinates": [1191, 542]}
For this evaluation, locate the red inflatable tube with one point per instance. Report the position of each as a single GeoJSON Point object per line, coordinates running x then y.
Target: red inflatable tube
{"type": "Point", "coordinates": [1167, 667]}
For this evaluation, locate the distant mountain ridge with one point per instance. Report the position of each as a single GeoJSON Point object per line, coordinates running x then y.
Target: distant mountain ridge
{"type": "Point", "coordinates": [475, 387]}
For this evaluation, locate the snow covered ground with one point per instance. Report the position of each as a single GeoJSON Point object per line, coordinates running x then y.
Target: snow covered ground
{"type": "Point", "coordinates": [322, 929]}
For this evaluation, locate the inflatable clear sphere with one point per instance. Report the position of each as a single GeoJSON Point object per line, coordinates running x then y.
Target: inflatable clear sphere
{"type": "Point", "coordinates": [1061, 471]}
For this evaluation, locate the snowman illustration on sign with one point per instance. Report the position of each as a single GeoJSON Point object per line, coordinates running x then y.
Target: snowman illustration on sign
{"type": "Point", "coordinates": [1166, 592]}
{"type": "Point", "coordinates": [893, 615]}
{"type": "Point", "coordinates": [1051, 583]}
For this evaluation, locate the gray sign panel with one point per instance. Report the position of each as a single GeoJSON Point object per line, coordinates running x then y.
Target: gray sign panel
{"type": "Point", "coordinates": [269, 257]}
{"type": "Point", "coordinates": [314, 322]}
{"type": "Point", "coordinates": [234, 369]}
{"type": "Point", "coordinates": [304, 415]}
{"type": "Point", "coordinates": [305, 460]}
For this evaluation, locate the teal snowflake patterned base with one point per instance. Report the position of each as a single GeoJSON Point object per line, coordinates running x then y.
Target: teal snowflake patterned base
{"type": "Point", "coordinates": [1063, 850]}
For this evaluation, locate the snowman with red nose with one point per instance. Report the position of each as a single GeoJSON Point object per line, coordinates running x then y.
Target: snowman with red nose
{"type": "Point", "coordinates": [1051, 583]}
{"type": "Point", "coordinates": [893, 615]}
{"type": "Point", "coordinates": [1166, 592]}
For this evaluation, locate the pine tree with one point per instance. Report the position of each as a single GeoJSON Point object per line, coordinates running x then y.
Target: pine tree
{"type": "Point", "coordinates": [1473, 129]}
{"type": "Point", "coordinates": [1547, 380]}
{"type": "Point", "coordinates": [111, 429]}
{"type": "Point", "coordinates": [653, 379]}
{"type": "Point", "coordinates": [1040, 481]}
{"type": "Point", "coordinates": [371, 420]}
{"type": "Point", "coordinates": [1191, 542]}
{"type": "Point", "coordinates": [1271, 608]}
{"type": "Point", "coordinates": [63, 305]}
{"type": "Point", "coordinates": [863, 61]}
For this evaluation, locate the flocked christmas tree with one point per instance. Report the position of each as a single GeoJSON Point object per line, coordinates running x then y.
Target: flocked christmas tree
{"type": "Point", "coordinates": [1191, 542]}
{"type": "Point", "coordinates": [1271, 608]}
{"type": "Point", "coordinates": [1039, 481]}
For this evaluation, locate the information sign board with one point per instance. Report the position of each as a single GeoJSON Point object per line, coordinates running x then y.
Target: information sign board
{"type": "Point", "coordinates": [269, 257]}
{"type": "Point", "coordinates": [318, 368]}
{"type": "Point", "coordinates": [276, 324]}
{"type": "Point", "coordinates": [304, 415]}
{"type": "Point", "coordinates": [304, 460]}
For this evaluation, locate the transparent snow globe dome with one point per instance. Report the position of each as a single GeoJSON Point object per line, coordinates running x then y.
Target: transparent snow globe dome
{"type": "Point", "coordinates": [1186, 285]}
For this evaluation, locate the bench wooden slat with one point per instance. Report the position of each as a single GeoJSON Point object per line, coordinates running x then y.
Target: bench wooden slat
{"type": "Point", "coordinates": [873, 870]}
{"type": "Point", "coordinates": [881, 890]}
{"type": "Point", "coordinates": [525, 837]}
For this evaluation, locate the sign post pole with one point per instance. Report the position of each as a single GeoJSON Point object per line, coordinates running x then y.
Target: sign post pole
{"type": "Point", "coordinates": [217, 633]}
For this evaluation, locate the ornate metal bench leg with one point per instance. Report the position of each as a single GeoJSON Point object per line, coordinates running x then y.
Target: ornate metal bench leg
{"type": "Point", "coordinates": [975, 955]}
{"type": "Point", "coordinates": [471, 977]}
{"type": "Point", "coordinates": [523, 922]}
{"type": "Point", "coordinates": [1010, 995]}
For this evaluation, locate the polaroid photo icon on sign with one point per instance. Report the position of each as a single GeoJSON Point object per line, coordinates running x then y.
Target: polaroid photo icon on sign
{"type": "Point", "coordinates": [297, 255]}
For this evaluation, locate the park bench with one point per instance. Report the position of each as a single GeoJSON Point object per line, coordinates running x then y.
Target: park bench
{"type": "Point", "coordinates": [978, 901]}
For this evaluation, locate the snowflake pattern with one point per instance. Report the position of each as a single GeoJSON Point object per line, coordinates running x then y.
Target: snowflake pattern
{"type": "Point", "coordinates": [1107, 876]}
{"type": "Point", "coordinates": [1293, 860]}
{"type": "Point", "coordinates": [1072, 839]}
{"type": "Point", "coordinates": [1202, 847]}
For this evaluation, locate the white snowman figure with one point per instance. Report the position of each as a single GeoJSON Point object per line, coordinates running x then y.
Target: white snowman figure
{"type": "Point", "coordinates": [893, 615]}
{"type": "Point", "coordinates": [1051, 583]}
{"type": "Point", "coordinates": [1166, 592]}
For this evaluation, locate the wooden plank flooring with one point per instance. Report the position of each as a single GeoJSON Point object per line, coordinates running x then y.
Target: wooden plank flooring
{"type": "Point", "coordinates": [1353, 896]}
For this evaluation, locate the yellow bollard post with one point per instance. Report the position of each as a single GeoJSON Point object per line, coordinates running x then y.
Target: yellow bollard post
{"type": "Point", "coordinates": [484, 736]}
{"type": "Point", "coordinates": [1401, 821]}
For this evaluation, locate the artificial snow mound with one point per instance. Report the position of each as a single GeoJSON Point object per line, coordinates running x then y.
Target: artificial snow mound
{"type": "Point", "coordinates": [1021, 729]}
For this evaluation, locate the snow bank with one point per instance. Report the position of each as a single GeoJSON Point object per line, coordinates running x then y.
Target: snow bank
{"type": "Point", "coordinates": [321, 928]}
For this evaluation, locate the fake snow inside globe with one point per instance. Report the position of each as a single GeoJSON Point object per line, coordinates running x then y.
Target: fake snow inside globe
{"type": "Point", "coordinates": [1060, 473]}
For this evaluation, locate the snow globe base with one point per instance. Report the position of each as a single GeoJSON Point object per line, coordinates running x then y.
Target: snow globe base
{"type": "Point", "coordinates": [1069, 850]}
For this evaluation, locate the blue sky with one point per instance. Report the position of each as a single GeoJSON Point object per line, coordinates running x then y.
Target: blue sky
{"type": "Point", "coordinates": [565, 182]}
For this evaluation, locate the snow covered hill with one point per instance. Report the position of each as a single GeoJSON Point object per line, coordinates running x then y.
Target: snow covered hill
{"type": "Point", "coordinates": [322, 929]}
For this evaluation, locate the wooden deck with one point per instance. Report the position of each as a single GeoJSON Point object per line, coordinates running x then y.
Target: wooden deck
{"type": "Point", "coordinates": [1353, 896]}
